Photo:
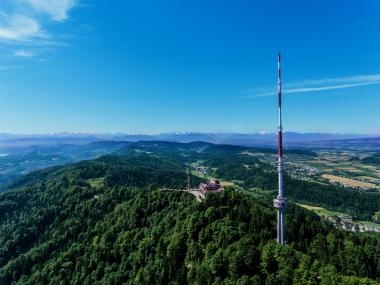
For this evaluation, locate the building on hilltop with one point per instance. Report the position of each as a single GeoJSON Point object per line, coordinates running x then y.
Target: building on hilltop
{"type": "Point", "coordinates": [211, 186]}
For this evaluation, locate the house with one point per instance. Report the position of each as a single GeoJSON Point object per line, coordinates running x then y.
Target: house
{"type": "Point", "coordinates": [211, 186]}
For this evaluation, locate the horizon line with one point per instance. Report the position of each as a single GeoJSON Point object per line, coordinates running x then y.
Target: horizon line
{"type": "Point", "coordinates": [82, 133]}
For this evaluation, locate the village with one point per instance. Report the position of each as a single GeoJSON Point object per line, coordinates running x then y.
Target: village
{"type": "Point", "coordinates": [346, 223]}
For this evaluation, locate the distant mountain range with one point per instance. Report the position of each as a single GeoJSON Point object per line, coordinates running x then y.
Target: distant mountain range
{"type": "Point", "coordinates": [291, 139]}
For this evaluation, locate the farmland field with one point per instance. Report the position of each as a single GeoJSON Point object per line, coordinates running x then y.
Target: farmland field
{"type": "Point", "coordinates": [348, 181]}
{"type": "Point", "coordinates": [346, 167]}
{"type": "Point", "coordinates": [321, 211]}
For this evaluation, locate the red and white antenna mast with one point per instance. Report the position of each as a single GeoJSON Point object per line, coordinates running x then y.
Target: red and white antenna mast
{"type": "Point", "coordinates": [280, 202]}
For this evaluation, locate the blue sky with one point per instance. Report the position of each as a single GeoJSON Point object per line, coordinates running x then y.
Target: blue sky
{"type": "Point", "coordinates": [158, 66]}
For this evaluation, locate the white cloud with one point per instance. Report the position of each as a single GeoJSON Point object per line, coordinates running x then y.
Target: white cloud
{"type": "Point", "coordinates": [18, 27]}
{"type": "Point", "coordinates": [321, 85]}
{"type": "Point", "coordinates": [339, 80]}
{"type": "Point", "coordinates": [56, 9]}
{"type": "Point", "coordinates": [8, 67]}
{"type": "Point", "coordinates": [26, 25]}
{"type": "Point", "coordinates": [24, 53]}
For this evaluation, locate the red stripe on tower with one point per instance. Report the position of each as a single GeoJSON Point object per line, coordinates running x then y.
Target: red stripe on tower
{"type": "Point", "coordinates": [279, 81]}
{"type": "Point", "coordinates": [279, 106]}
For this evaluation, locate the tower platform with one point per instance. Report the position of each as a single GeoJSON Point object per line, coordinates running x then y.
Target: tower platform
{"type": "Point", "coordinates": [280, 203]}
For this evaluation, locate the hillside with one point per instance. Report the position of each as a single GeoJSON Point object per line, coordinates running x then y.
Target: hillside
{"type": "Point", "coordinates": [106, 222]}
{"type": "Point", "coordinates": [21, 156]}
{"type": "Point", "coordinates": [373, 159]}
{"type": "Point", "coordinates": [247, 170]}
{"type": "Point", "coordinates": [16, 160]}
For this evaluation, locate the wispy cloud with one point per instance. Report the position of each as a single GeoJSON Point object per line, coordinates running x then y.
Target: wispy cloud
{"type": "Point", "coordinates": [349, 79]}
{"type": "Point", "coordinates": [24, 53]}
{"type": "Point", "coordinates": [324, 85]}
{"type": "Point", "coordinates": [8, 67]}
{"type": "Point", "coordinates": [57, 9]}
{"type": "Point", "coordinates": [27, 25]}
{"type": "Point", "coordinates": [18, 27]}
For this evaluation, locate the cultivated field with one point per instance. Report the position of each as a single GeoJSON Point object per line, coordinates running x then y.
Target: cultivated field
{"type": "Point", "coordinates": [348, 181]}
{"type": "Point", "coordinates": [345, 167]}
{"type": "Point", "coordinates": [321, 211]}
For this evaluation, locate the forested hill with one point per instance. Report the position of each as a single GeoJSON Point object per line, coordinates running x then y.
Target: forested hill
{"type": "Point", "coordinates": [243, 166]}
{"type": "Point", "coordinates": [105, 221]}
{"type": "Point", "coordinates": [373, 159]}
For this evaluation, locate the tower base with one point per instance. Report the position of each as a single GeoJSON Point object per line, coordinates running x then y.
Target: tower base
{"type": "Point", "coordinates": [280, 203]}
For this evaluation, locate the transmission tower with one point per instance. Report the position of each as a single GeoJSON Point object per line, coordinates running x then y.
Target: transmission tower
{"type": "Point", "coordinates": [280, 202]}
